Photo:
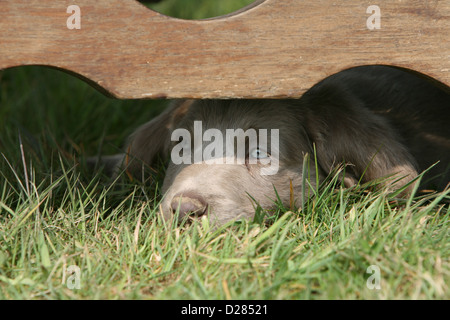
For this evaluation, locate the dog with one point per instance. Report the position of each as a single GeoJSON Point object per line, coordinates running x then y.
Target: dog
{"type": "Point", "coordinates": [373, 122]}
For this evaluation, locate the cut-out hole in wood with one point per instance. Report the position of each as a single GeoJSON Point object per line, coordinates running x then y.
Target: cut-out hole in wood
{"type": "Point", "coordinates": [196, 9]}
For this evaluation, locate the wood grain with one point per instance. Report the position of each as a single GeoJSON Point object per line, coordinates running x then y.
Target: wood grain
{"type": "Point", "coordinates": [276, 48]}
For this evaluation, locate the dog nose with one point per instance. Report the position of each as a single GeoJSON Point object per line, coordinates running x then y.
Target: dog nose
{"type": "Point", "coordinates": [189, 204]}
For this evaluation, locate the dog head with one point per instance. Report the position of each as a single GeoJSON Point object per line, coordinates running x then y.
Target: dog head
{"type": "Point", "coordinates": [225, 157]}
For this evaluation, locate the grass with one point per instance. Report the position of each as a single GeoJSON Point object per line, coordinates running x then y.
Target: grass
{"type": "Point", "coordinates": [198, 9]}
{"type": "Point", "coordinates": [320, 252]}
{"type": "Point", "coordinates": [54, 214]}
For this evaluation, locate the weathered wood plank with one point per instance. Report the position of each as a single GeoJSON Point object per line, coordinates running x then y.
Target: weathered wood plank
{"type": "Point", "coordinates": [278, 48]}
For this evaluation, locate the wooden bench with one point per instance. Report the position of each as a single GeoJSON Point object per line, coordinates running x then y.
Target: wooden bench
{"type": "Point", "coordinates": [271, 49]}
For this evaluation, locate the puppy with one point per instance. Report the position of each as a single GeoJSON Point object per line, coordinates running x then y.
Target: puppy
{"type": "Point", "coordinates": [225, 156]}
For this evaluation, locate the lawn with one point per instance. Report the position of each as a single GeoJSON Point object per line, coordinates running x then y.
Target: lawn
{"type": "Point", "coordinates": [56, 217]}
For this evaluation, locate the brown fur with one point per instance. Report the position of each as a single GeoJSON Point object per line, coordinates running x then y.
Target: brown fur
{"type": "Point", "coordinates": [378, 121]}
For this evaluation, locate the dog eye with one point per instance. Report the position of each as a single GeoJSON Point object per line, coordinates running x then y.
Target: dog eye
{"type": "Point", "coordinates": [259, 154]}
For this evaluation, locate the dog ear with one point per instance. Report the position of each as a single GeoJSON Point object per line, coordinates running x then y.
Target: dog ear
{"type": "Point", "coordinates": [152, 140]}
{"type": "Point", "coordinates": [345, 132]}
{"type": "Point", "coordinates": [144, 146]}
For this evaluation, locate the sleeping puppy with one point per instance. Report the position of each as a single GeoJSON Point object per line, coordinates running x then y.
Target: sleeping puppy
{"type": "Point", "coordinates": [223, 156]}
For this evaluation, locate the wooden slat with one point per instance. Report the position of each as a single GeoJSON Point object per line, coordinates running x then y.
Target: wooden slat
{"type": "Point", "coordinates": [278, 48]}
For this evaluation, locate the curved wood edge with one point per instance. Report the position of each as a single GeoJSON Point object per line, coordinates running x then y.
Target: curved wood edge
{"type": "Point", "coordinates": [279, 48]}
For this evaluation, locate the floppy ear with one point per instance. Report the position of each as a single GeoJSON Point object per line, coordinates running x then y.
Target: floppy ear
{"type": "Point", "coordinates": [346, 132]}
{"type": "Point", "coordinates": [145, 145]}
{"type": "Point", "coordinates": [152, 140]}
